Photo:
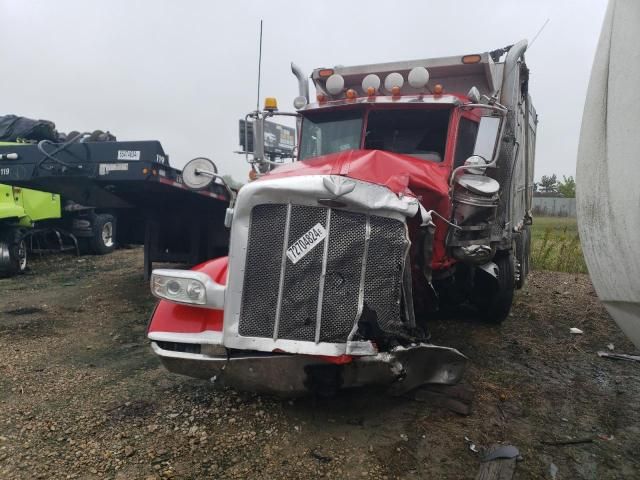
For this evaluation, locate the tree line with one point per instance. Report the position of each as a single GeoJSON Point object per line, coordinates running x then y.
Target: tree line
{"type": "Point", "coordinates": [550, 184]}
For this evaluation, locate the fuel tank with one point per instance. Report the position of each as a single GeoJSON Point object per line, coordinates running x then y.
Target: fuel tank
{"type": "Point", "coordinates": [608, 197]}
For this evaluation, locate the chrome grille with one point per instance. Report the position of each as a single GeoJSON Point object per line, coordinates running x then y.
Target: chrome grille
{"type": "Point", "coordinates": [281, 300]}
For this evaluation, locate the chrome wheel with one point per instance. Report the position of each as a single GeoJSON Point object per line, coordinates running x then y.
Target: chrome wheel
{"type": "Point", "coordinates": [107, 234]}
{"type": "Point", "coordinates": [22, 255]}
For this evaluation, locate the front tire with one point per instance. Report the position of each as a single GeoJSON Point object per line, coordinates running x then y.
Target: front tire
{"type": "Point", "coordinates": [494, 302]}
{"type": "Point", "coordinates": [16, 248]}
{"type": "Point", "coordinates": [103, 240]}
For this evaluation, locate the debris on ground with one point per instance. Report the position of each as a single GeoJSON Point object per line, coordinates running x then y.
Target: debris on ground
{"type": "Point", "coordinates": [472, 446]}
{"type": "Point", "coordinates": [619, 356]}
{"type": "Point", "coordinates": [498, 463]}
{"type": "Point", "coordinates": [575, 331]}
{"type": "Point", "coordinates": [500, 451]}
{"type": "Point", "coordinates": [570, 441]}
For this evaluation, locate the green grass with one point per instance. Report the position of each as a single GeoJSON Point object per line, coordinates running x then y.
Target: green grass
{"type": "Point", "coordinates": [556, 246]}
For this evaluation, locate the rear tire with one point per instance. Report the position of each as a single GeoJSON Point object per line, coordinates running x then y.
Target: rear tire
{"type": "Point", "coordinates": [494, 304]}
{"type": "Point", "coordinates": [103, 240]}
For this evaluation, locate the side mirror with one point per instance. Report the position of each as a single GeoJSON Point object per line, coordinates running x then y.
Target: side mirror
{"type": "Point", "coordinates": [488, 137]}
{"type": "Point", "coordinates": [199, 173]}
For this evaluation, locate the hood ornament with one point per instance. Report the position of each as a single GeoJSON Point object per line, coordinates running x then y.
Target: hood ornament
{"type": "Point", "coordinates": [338, 186]}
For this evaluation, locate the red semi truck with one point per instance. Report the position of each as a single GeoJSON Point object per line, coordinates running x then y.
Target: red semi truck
{"type": "Point", "coordinates": [410, 194]}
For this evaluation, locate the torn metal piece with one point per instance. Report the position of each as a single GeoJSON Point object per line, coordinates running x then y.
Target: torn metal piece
{"type": "Point", "coordinates": [575, 331]}
{"type": "Point", "coordinates": [472, 446]}
{"type": "Point", "coordinates": [619, 356]}
{"type": "Point", "coordinates": [500, 451]}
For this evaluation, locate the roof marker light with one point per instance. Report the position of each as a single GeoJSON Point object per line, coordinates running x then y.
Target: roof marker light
{"type": "Point", "coordinates": [321, 98]}
{"type": "Point", "coordinates": [371, 92]}
{"type": "Point", "coordinates": [395, 91]}
{"type": "Point", "coordinates": [325, 72]}
{"type": "Point", "coordinates": [335, 84]}
{"type": "Point", "coordinates": [393, 80]}
{"type": "Point", "coordinates": [371, 81]}
{"type": "Point", "coordinates": [351, 94]}
{"type": "Point", "coordinates": [467, 59]}
{"type": "Point", "coordinates": [418, 77]}
{"type": "Point", "coordinates": [438, 89]}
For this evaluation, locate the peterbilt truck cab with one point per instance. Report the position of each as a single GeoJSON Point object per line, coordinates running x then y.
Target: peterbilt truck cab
{"type": "Point", "coordinates": [409, 195]}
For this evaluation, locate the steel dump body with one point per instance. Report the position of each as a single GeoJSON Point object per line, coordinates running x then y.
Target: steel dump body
{"type": "Point", "coordinates": [338, 260]}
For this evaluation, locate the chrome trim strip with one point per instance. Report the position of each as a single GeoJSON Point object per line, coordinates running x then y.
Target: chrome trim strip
{"type": "Point", "coordinates": [283, 266]}
{"type": "Point", "coordinates": [323, 276]}
{"type": "Point", "coordinates": [206, 337]}
{"type": "Point", "coordinates": [363, 271]}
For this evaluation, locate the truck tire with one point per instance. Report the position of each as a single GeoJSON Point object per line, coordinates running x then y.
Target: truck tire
{"type": "Point", "coordinates": [103, 240]}
{"type": "Point", "coordinates": [16, 250]}
{"type": "Point", "coordinates": [494, 304]}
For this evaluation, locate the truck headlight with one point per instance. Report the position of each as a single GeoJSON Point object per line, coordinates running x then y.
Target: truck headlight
{"type": "Point", "coordinates": [176, 289]}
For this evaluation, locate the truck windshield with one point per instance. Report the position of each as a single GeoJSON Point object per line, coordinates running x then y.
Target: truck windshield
{"type": "Point", "coordinates": [419, 133]}
{"type": "Point", "coordinates": [330, 132]}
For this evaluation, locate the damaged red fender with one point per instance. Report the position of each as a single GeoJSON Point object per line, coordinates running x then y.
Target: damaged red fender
{"type": "Point", "coordinates": [175, 318]}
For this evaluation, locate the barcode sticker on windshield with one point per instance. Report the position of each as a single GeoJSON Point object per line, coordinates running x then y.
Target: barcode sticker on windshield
{"type": "Point", "coordinates": [306, 243]}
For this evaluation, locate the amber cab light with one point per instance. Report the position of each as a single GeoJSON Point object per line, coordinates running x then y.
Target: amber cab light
{"type": "Point", "coordinates": [351, 94]}
{"type": "Point", "coordinates": [395, 91]}
{"type": "Point", "coordinates": [325, 72]}
{"type": "Point", "coordinates": [437, 90]}
{"type": "Point", "coordinates": [371, 91]}
{"type": "Point", "coordinates": [467, 59]}
{"type": "Point", "coordinates": [270, 104]}
{"type": "Point", "coordinates": [321, 98]}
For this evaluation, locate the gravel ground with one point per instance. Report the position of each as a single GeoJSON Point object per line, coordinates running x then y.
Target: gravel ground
{"type": "Point", "coordinates": [82, 396]}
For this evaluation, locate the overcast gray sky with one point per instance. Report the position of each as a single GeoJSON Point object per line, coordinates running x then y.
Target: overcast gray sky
{"type": "Point", "coordinates": [184, 72]}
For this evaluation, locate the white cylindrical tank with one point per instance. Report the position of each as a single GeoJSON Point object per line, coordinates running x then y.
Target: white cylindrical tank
{"type": "Point", "coordinates": [608, 170]}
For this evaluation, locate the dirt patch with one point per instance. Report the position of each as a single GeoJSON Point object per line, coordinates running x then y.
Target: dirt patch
{"type": "Point", "coordinates": [85, 398]}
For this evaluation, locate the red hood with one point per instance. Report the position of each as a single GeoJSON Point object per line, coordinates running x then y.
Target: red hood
{"type": "Point", "coordinates": [400, 173]}
{"type": "Point", "coordinates": [428, 181]}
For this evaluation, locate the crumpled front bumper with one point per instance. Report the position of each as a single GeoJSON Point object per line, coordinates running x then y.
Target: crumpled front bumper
{"type": "Point", "coordinates": [401, 370]}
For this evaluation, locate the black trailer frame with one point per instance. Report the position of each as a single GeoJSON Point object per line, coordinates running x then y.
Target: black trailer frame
{"type": "Point", "coordinates": [134, 182]}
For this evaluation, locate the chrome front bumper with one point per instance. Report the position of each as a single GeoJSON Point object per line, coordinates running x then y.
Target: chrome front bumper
{"type": "Point", "coordinates": [400, 370]}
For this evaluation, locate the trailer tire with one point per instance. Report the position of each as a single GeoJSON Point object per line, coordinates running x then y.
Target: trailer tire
{"type": "Point", "coordinates": [103, 240]}
{"type": "Point", "coordinates": [494, 304]}
{"type": "Point", "coordinates": [16, 248]}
